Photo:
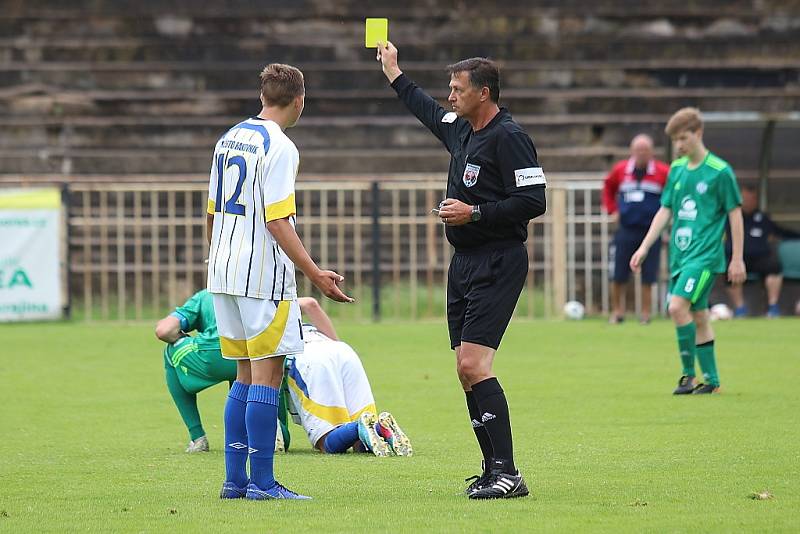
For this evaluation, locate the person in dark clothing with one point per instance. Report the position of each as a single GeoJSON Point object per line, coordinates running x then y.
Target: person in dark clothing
{"type": "Point", "coordinates": [632, 196]}
{"type": "Point", "coordinates": [495, 186]}
{"type": "Point", "coordinates": [759, 254]}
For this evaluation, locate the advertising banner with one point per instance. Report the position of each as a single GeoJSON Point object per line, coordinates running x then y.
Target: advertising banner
{"type": "Point", "coordinates": [30, 254]}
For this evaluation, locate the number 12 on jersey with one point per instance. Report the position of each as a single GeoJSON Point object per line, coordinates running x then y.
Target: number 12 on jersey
{"type": "Point", "coordinates": [231, 205]}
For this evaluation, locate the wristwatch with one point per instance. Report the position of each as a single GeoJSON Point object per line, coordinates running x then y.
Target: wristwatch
{"type": "Point", "coordinates": [476, 213]}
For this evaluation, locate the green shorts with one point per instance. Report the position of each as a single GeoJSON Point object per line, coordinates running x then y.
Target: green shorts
{"type": "Point", "coordinates": [694, 284]}
{"type": "Point", "coordinates": [196, 369]}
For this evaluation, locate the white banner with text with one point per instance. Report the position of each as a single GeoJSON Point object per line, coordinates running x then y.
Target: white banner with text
{"type": "Point", "coordinates": [30, 254]}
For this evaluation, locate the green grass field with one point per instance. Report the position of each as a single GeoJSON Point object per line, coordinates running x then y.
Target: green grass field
{"type": "Point", "coordinates": [91, 441]}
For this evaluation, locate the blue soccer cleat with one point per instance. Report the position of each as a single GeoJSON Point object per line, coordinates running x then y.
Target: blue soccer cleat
{"type": "Point", "coordinates": [232, 491]}
{"type": "Point", "coordinates": [277, 491]}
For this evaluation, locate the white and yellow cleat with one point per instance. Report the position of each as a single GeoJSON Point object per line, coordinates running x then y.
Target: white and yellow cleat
{"type": "Point", "coordinates": [390, 431]}
{"type": "Point", "coordinates": [369, 436]}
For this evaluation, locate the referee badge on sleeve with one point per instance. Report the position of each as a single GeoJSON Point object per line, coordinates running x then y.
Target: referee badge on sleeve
{"type": "Point", "coordinates": [471, 174]}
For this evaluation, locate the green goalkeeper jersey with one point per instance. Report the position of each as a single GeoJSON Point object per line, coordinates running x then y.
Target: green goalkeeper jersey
{"type": "Point", "coordinates": [197, 313]}
{"type": "Point", "coordinates": [700, 200]}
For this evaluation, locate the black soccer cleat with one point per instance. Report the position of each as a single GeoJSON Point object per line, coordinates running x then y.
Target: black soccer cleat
{"type": "Point", "coordinates": [501, 486]}
{"type": "Point", "coordinates": [478, 481]}
{"type": "Point", "coordinates": [686, 385]}
{"type": "Point", "coordinates": [705, 389]}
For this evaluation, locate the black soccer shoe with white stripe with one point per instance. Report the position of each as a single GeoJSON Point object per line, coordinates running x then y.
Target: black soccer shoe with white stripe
{"type": "Point", "coordinates": [501, 486]}
{"type": "Point", "coordinates": [477, 481]}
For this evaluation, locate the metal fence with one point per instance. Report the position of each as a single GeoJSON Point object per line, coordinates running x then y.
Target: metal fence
{"type": "Point", "coordinates": [137, 249]}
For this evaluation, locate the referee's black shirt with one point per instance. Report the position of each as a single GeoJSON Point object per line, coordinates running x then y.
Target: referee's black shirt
{"type": "Point", "coordinates": [495, 168]}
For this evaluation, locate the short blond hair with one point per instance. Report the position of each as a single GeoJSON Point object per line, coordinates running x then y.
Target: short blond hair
{"type": "Point", "coordinates": [280, 84]}
{"type": "Point", "coordinates": [684, 119]}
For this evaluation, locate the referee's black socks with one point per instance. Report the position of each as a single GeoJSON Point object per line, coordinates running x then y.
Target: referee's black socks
{"type": "Point", "coordinates": [480, 430]}
{"type": "Point", "coordinates": [493, 410]}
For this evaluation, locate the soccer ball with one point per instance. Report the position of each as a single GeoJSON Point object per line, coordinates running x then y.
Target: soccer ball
{"type": "Point", "coordinates": [720, 312]}
{"type": "Point", "coordinates": [574, 310]}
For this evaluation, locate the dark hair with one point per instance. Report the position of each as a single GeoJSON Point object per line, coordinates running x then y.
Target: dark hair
{"type": "Point", "coordinates": [280, 84]}
{"type": "Point", "coordinates": [482, 73]}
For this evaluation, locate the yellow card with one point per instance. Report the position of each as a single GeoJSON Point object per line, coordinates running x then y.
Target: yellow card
{"type": "Point", "coordinates": [376, 30]}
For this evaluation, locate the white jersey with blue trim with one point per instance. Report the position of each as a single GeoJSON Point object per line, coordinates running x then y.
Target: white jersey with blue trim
{"type": "Point", "coordinates": [252, 183]}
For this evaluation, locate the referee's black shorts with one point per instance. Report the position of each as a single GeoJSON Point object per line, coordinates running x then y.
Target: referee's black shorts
{"type": "Point", "coordinates": [483, 287]}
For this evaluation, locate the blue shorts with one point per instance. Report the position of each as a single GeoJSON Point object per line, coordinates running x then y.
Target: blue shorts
{"type": "Point", "coordinates": [625, 243]}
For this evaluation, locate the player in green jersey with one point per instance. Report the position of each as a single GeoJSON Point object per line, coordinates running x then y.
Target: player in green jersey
{"type": "Point", "coordinates": [193, 363]}
{"type": "Point", "coordinates": [701, 193]}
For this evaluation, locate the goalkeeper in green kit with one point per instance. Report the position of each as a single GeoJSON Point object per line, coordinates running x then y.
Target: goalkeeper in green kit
{"type": "Point", "coordinates": [700, 195]}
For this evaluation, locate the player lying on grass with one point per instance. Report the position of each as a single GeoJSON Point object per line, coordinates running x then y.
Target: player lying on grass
{"type": "Point", "coordinates": [327, 383]}
{"type": "Point", "coordinates": [330, 395]}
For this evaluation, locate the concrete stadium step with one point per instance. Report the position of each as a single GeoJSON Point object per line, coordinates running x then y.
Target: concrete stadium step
{"type": "Point", "coordinates": [482, 15]}
{"type": "Point", "coordinates": [37, 100]}
{"type": "Point", "coordinates": [345, 19]}
{"type": "Point", "coordinates": [197, 160]}
{"type": "Point", "coordinates": [444, 48]}
{"type": "Point", "coordinates": [312, 132]}
{"type": "Point", "coordinates": [386, 147]}
{"type": "Point", "coordinates": [77, 8]}
{"type": "Point", "coordinates": [190, 160]}
{"type": "Point", "coordinates": [196, 75]}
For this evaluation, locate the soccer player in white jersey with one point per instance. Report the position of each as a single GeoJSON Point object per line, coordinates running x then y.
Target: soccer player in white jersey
{"type": "Point", "coordinates": [330, 395]}
{"type": "Point", "coordinates": [253, 252]}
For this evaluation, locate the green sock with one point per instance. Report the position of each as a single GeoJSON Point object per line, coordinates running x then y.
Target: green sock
{"type": "Point", "coordinates": [186, 403]}
{"type": "Point", "coordinates": [708, 362]}
{"type": "Point", "coordinates": [686, 346]}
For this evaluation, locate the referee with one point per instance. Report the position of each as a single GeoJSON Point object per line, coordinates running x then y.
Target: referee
{"type": "Point", "coordinates": [494, 187]}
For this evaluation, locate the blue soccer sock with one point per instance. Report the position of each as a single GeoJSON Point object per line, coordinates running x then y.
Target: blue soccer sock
{"type": "Point", "coordinates": [236, 435]}
{"type": "Point", "coordinates": [261, 418]}
{"type": "Point", "coordinates": [341, 438]}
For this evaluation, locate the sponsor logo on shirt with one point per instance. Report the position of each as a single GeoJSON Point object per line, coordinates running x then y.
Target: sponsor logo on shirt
{"type": "Point", "coordinates": [688, 211]}
{"type": "Point", "coordinates": [636, 195]}
{"type": "Point", "coordinates": [471, 174]}
{"type": "Point", "coordinates": [530, 176]}
{"type": "Point", "coordinates": [683, 238]}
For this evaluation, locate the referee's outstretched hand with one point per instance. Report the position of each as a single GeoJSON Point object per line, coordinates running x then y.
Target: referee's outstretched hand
{"type": "Point", "coordinates": [387, 55]}
{"type": "Point", "coordinates": [326, 281]}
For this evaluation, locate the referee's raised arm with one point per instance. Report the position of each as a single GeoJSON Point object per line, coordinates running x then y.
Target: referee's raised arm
{"type": "Point", "coordinates": [443, 124]}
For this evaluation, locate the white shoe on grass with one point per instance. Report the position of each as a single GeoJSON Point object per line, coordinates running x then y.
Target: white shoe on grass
{"type": "Point", "coordinates": [198, 445]}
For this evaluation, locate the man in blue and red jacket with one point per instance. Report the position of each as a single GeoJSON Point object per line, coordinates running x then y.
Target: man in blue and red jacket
{"type": "Point", "coordinates": [632, 195]}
